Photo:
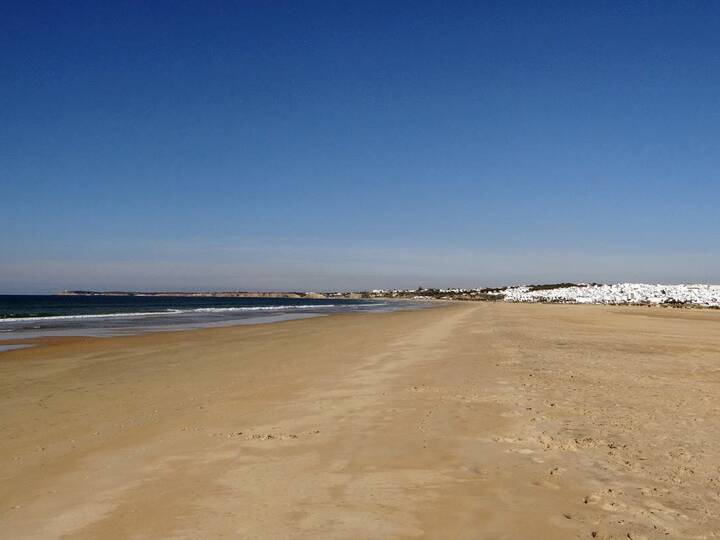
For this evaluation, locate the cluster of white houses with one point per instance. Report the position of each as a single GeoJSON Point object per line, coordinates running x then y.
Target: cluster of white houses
{"type": "Point", "coordinates": [583, 293]}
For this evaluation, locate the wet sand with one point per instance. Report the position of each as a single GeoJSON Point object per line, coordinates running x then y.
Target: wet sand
{"type": "Point", "coordinates": [474, 421]}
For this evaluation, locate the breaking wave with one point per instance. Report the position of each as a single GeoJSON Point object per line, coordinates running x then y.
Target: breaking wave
{"type": "Point", "coordinates": [138, 314]}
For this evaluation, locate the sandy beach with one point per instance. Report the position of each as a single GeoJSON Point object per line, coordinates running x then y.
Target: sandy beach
{"type": "Point", "coordinates": [477, 420]}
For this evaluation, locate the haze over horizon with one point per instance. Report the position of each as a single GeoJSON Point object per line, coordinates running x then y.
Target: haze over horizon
{"type": "Point", "coordinates": [349, 146]}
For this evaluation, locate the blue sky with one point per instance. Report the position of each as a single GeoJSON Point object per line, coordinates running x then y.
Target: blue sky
{"type": "Point", "coordinates": [334, 145]}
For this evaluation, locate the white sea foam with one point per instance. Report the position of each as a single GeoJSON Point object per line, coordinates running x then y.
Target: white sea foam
{"type": "Point", "coordinates": [134, 315]}
{"type": "Point", "coordinates": [88, 316]}
{"type": "Point", "coordinates": [256, 308]}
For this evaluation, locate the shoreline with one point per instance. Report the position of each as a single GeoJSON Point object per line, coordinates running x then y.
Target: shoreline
{"type": "Point", "coordinates": [18, 343]}
{"type": "Point", "coordinates": [475, 420]}
{"type": "Point", "coordinates": [184, 332]}
{"type": "Point", "coordinates": [140, 317]}
{"type": "Point", "coordinates": [159, 329]}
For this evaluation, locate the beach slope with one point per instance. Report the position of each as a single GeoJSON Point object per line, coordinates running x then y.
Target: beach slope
{"type": "Point", "coordinates": [484, 420]}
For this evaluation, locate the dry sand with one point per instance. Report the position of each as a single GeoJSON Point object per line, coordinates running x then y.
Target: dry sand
{"type": "Point", "coordinates": [481, 421]}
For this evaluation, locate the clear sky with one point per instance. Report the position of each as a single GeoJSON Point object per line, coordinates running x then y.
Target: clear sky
{"type": "Point", "coordinates": [348, 145]}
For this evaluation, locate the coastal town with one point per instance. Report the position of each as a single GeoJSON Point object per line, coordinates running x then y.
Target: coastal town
{"type": "Point", "coordinates": [677, 295]}
{"type": "Point", "coordinates": [699, 295]}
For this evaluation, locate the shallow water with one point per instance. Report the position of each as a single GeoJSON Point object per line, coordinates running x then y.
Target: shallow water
{"type": "Point", "coordinates": [41, 316]}
{"type": "Point", "coordinates": [4, 348]}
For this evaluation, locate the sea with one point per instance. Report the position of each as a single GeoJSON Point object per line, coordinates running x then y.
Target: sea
{"type": "Point", "coordinates": [31, 316]}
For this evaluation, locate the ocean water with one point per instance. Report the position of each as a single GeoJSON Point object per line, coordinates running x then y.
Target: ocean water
{"type": "Point", "coordinates": [29, 316]}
